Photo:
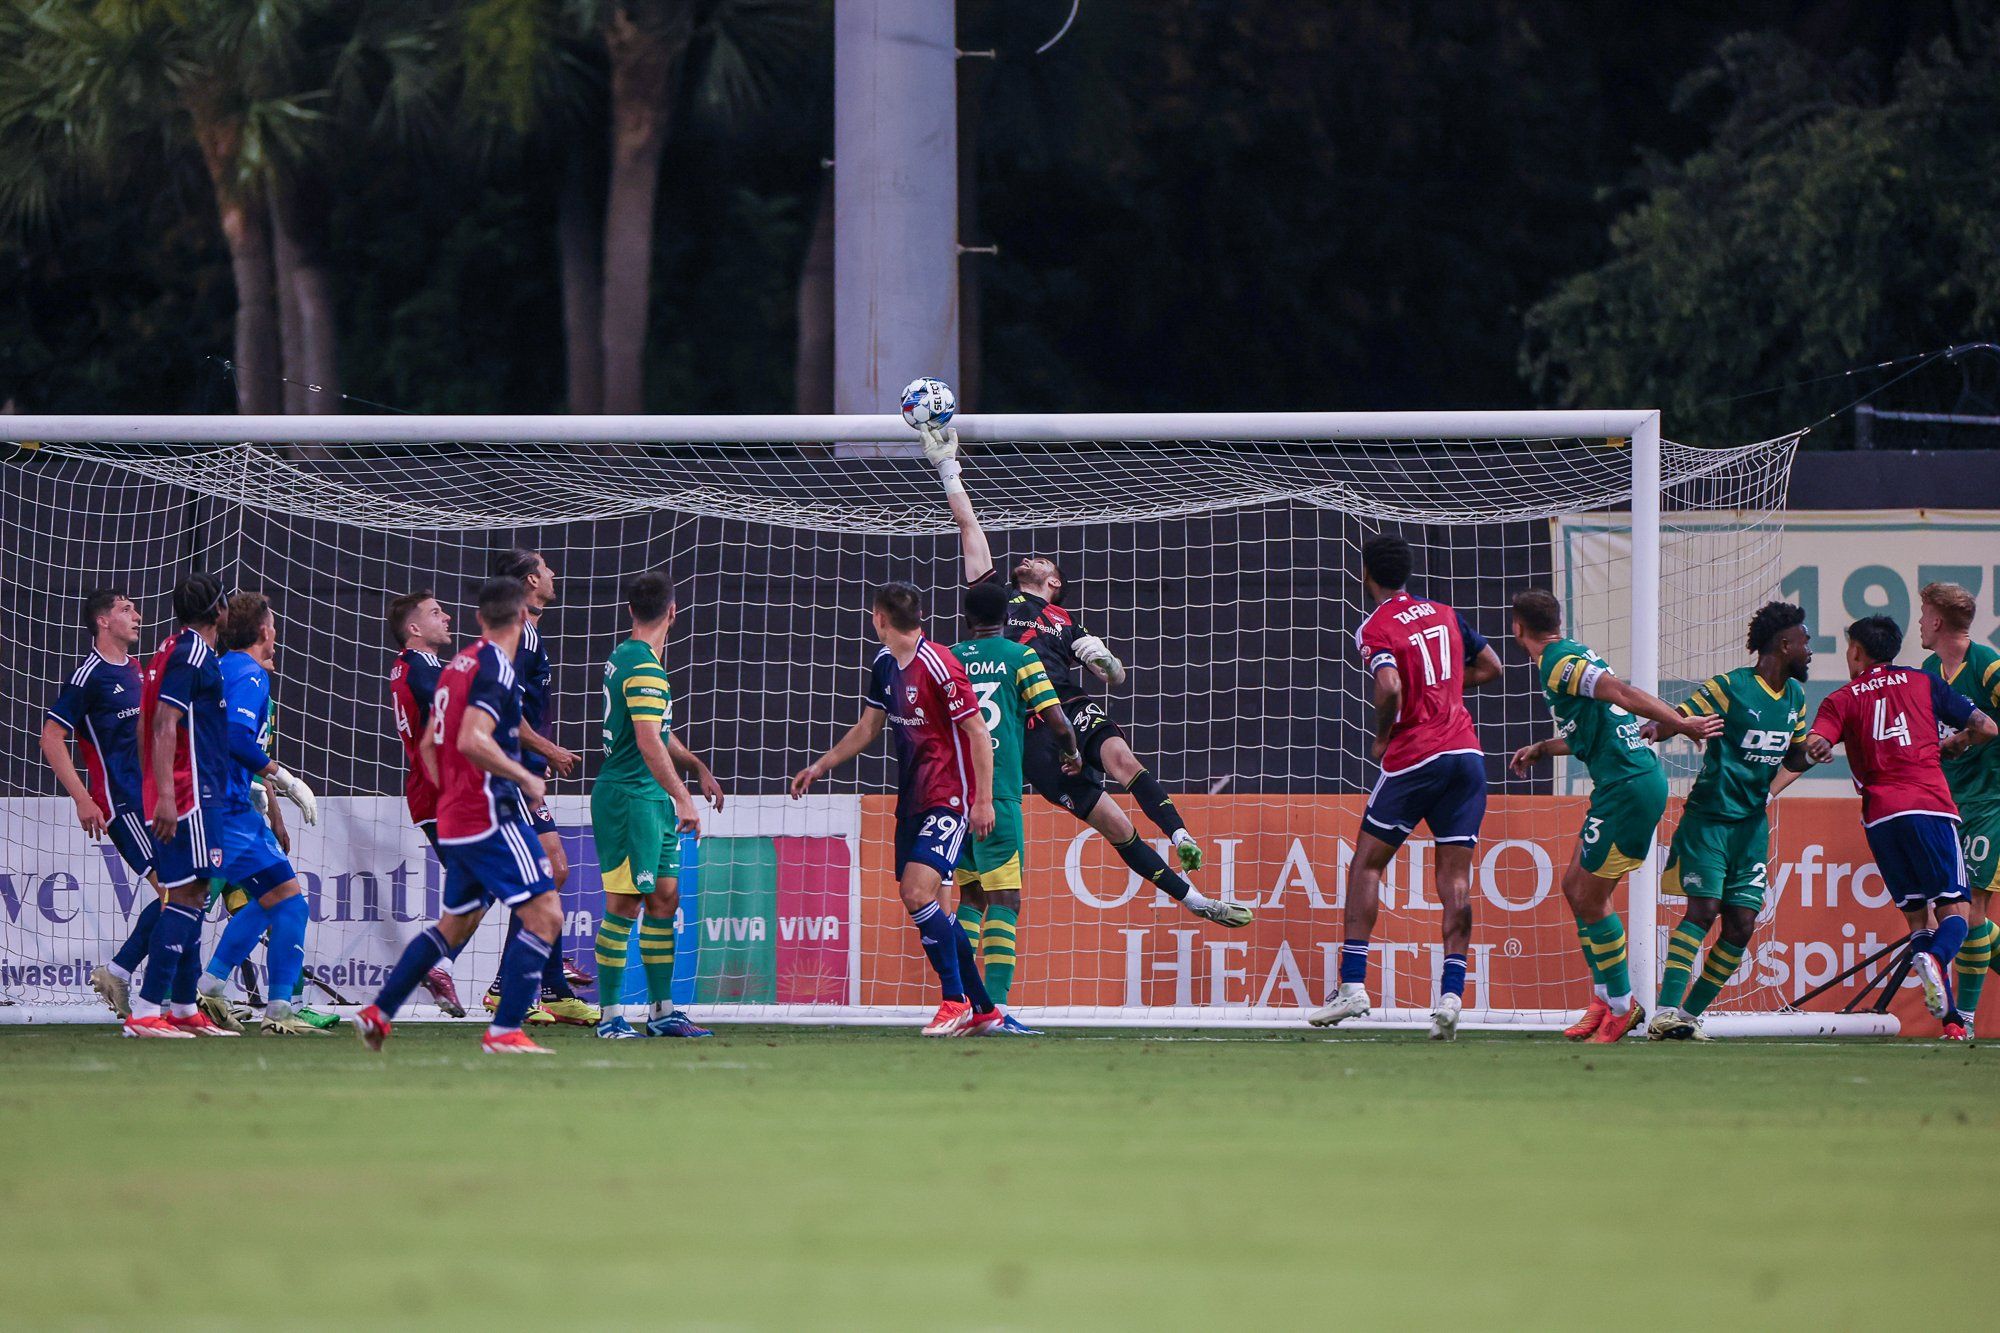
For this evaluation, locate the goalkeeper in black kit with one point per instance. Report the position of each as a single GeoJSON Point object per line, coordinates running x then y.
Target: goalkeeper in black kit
{"type": "Point", "coordinates": [1036, 617]}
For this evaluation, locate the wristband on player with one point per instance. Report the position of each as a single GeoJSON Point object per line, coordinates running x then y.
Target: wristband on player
{"type": "Point", "coordinates": [949, 473]}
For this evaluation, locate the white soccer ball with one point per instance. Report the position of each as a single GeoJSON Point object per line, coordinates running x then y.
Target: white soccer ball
{"type": "Point", "coordinates": [928, 402]}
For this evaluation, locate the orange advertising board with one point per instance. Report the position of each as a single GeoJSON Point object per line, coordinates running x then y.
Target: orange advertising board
{"type": "Point", "coordinates": [1093, 935]}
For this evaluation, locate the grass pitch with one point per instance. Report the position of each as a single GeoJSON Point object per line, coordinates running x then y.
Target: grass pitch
{"type": "Point", "coordinates": [860, 1178]}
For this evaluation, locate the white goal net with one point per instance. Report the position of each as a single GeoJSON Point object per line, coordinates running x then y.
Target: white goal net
{"type": "Point", "coordinates": [1222, 564]}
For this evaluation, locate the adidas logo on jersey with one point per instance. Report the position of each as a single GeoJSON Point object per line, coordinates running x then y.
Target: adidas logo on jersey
{"type": "Point", "coordinates": [118, 689]}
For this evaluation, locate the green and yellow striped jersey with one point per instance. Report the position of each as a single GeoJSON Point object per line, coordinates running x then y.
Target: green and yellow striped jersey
{"type": "Point", "coordinates": [1012, 686]}
{"type": "Point", "coordinates": [1605, 737]}
{"type": "Point", "coordinates": [1975, 775]}
{"type": "Point", "coordinates": [635, 689]}
{"type": "Point", "coordinates": [1759, 726]}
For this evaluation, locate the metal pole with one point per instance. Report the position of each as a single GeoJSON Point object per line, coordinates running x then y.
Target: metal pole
{"type": "Point", "coordinates": [1643, 927]}
{"type": "Point", "coordinates": [895, 222]}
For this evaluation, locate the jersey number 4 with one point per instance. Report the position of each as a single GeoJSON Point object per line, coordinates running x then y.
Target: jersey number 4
{"type": "Point", "coordinates": [1885, 730]}
{"type": "Point", "coordinates": [1441, 636]}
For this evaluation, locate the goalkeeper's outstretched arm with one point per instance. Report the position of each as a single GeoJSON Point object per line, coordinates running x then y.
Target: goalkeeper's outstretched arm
{"type": "Point", "coordinates": [941, 447]}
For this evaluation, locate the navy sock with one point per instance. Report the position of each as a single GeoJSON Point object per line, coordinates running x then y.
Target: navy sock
{"type": "Point", "coordinates": [1950, 936]}
{"type": "Point", "coordinates": [285, 955]}
{"type": "Point", "coordinates": [239, 937]}
{"type": "Point", "coordinates": [176, 933]}
{"type": "Point", "coordinates": [553, 979]}
{"type": "Point", "coordinates": [187, 972]}
{"type": "Point", "coordinates": [1353, 962]}
{"type": "Point", "coordinates": [520, 979]}
{"type": "Point", "coordinates": [968, 968]}
{"type": "Point", "coordinates": [133, 951]}
{"type": "Point", "coordinates": [1452, 980]}
{"type": "Point", "coordinates": [420, 955]}
{"type": "Point", "coordinates": [935, 928]}
{"type": "Point", "coordinates": [1140, 858]}
{"type": "Point", "coordinates": [1153, 799]}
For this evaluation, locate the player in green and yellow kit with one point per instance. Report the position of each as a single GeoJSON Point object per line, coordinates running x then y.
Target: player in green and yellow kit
{"type": "Point", "coordinates": [1597, 720]}
{"type": "Point", "coordinates": [1014, 692]}
{"type": "Point", "coordinates": [1973, 669]}
{"type": "Point", "coordinates": [639, 807]}
{"type": "Point", "coordinates": [1724, 839]}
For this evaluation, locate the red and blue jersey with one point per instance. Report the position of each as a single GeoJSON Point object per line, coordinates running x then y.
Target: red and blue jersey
{"type": "Point", "coordinates": [1430, 645]}
{"type": "Point", "coordinates": [925, 701]}
{"type": "Point", "coordinates": [100, 706]}
{"type": "Point", "coordinates": [186, 674]}
{"type": "Point", "coordinates": [1887, 717]}
{"type": "Point", "coordinates": [471, 802]}
{"type": "Point", "coordinates": [534, 670]}
{"type": "Point", "coordinates": [413, 683]}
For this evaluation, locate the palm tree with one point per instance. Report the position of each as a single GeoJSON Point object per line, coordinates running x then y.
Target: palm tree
{"type": "Point", "coordinates": [89, 87]}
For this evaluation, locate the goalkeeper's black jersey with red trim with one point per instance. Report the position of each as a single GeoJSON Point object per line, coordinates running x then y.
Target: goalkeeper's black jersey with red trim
{"type": "Point", "coordinates": [1048, 629]}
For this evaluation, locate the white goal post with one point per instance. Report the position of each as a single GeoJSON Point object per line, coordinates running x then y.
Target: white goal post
{"type": "Point", "coordinates": [1219, 545]}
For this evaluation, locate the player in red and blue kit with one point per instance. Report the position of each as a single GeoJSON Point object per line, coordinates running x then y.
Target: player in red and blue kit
{"type": "Point", "coordinates": [185, 763]}
{"type": "Point", "coordinates": [484, 839]}
{"type": "Point", "coordinates": [99, 707]}
{"type": "Point", "coordinates": [540, 756]}
{"type": "Point", "coordinates": [1420, 655]}
{"type": "Point", "coordinates": [945, 762]}
{"type": "Point", "coordinates": [421, 628]}
{"type": "Point", "coordinates": [1887, 718]}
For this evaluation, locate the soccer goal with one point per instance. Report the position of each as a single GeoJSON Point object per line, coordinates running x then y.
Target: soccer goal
{"type": "Point", "coordinates": [1217, 552]}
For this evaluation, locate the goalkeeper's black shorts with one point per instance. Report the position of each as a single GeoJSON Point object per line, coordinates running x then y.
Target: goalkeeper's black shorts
{"type": "Point", "coordinates": [1041, 763]}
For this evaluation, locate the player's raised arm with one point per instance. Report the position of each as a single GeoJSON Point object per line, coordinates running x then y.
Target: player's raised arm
{"type": "Point", "coordinates": [941, 447]}
{"type": "Point", "coordinates": [1607, 688]}
{"type": "Point", "coordinates": [858, 738]}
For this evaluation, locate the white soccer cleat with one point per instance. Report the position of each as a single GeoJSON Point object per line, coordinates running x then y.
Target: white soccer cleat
{"type": "Point", "coordinates": [116, 990]}
{"type": "Point", "coordinates": [1933, 979]}
{"type": "Point", "coordinates": [1670, 1024]}
{"type": "Point", "coordinates": [1233, 915]}
{"type": "Point", "coordinates": [1349, 1003]}
{"type": "Point", "coordinates": [1444, 1018]}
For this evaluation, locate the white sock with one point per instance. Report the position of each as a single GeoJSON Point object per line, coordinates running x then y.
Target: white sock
{"type": "Point", "coordinates": [1620, 1004]}
{"type": "Point", "coordinates": [1353, 988]}
{"type": "Point", "coordinates": [279, 1010]}
{"type": "Point", "coordinates": [209, 985]}
{"type": "Point", "coordinates": [144, 1008]}
{"type": "Point", "coordinates": [183, 1011]}
{"type": "Point", "coordinates": [1195, 897]}
{"type": "Point", "coordinates": [1601, 993]}
{"type": "Point", "coordinates": [119, 972]}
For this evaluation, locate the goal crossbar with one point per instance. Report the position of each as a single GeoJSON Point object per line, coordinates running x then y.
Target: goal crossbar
{"type": "Point", "coordinates": [976, 428]}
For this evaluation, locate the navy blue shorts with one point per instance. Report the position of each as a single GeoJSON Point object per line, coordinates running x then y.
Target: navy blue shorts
{"type": "Point", "coordinates": [1448, 793]}
{"type": "Point", "coordinates": [934, 838]}
{"type": "Point", "coordinates": [133, 838]}
{"type": "Point", "coordinates": [507, 865]}
{"type": "Point", "coordinates": [189, 855]}
{"type": "Point", "coordinates": [1920, 859]}
{"type": "Point", "coordinates": [540, 820]}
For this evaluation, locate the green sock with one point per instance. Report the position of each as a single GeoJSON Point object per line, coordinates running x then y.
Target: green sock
{"type": "Point", "coordinates": [1974, 957]}
{"type": "Point", "coordinates": [1605, 941]}
{"type": "Point", "coordinates": [613, 932]}
{"type": "Point", "coordinates": [1683, 947]}
{"type": "Point", "coordinates": [997, 957]}
{"type": "Point", "coordinates": [1583, 943]}
{"type": "Point", "coordinates": [971, 921]}
{"type": "Point", "coordinates": [656, 956]}
{"type": "Point", "coordinates": [1723, 960]}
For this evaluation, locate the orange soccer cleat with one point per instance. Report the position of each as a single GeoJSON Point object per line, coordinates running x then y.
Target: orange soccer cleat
{"type": "Point", "coordinates": [158, 1025]}
{"type": "Point", "coordinates": [373, 1026]}
{"type": "Point", "coordinates": [516, 1042]}
{"type": "Point", "coordinates": [198, 1024]}
{"type": "Point", "coordinates": [949, 1018]}
{"type": "Point", "coordinates": [1615, 1026]}
{"type": "Point", "coordinates": [982, 1025]}
{"type": "Point", "coordinates": [1592, 1019]}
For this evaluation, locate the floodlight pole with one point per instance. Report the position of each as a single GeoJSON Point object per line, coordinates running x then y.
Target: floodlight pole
{"type": "Point", "coordinates": [895, 199]}
{"type": "Point", "coordinates": [1643, 924]}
